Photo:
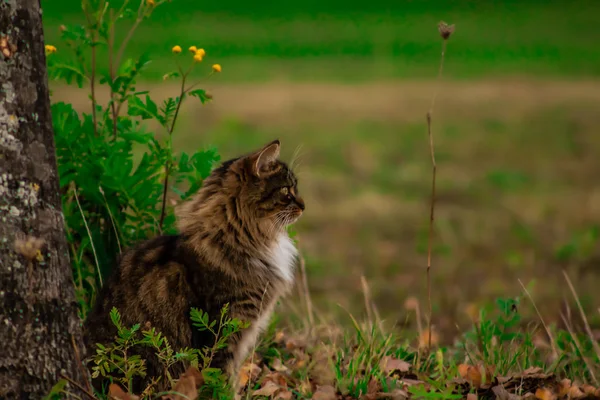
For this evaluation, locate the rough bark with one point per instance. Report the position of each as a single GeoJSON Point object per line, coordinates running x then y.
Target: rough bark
{"type": "Point", "coordinates": [39, 323]}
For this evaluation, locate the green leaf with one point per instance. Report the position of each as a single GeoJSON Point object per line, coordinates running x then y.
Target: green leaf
{"type": "Point", "coordinates": [200, 94]}
{"type": "Point", "coordinates": [137, 137]}
{"type": "Point", "coordinates": [137, 108]}
{"type": "Point", "coordinates": [115, 317]}
{"type": "Point", "coordinates": [169, 75]}
{"type": "Point", "coordinates": [56, 390]}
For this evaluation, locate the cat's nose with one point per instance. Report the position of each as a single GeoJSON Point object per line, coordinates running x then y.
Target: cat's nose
{"type": "Point", "coordinates": [300, 202]}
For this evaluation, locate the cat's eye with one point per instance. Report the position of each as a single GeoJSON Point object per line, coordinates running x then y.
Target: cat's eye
{"type": "Point", "coordinates": [284, 191]}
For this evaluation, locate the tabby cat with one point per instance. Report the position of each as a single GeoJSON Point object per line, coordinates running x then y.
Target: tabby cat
{"type": "Point", "coordinates": [231, 247]}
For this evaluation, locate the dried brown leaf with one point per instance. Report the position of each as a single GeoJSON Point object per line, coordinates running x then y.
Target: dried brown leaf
{"type": "Point", "coordinates": [279, 336]}
{"type": "Point", "coordinates": [373, 386]}
{"type": "Point", "coordinates": [411, 382]}
{"type": "Point", "coordinates": [326, 392]}
{"type": "Point", "coordinates": [471, 396]}
{"type": "Point", "coordinates": [284, 395]}
{"type": "Point", "coordinates": [397, 394]}
{"type": "Point", "coordinates": [503, 394]}
{"type": "Point", "coordinates": [295, 343]}
{"type": "Point", "coordinates": [187, 386]}
{"type": "Point", "coordinates": [563, 387]}
{"type": "Point", "coordinates": [533, 371]}
{"type": "Point", "coordinates": [544, 394]}
{"type": "Point", "coordinates": [268, 389]}
{"type": "Point", "coordinates": [576, 393]}
{"type": "Point", "coordinates": [471, 374]}
{"type": "Point", "coordinates": [115, 392]}
{"type": "Point", "coordinates": [588, 389]}
{"type": "Point", "coordinates": [249, 372]}
{"type": "Point", "coordinates": [278, 366]}
{"type": "Point", "coordinates": [390, 364]}
{"type": "Point", "coordinates": [276, 378]}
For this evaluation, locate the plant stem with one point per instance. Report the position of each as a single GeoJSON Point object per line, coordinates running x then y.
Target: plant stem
{"type": "Point", "coordinates": [111, 70]}
{"type": "Point", "coordinates": [72, 382]}
{"type": "Point", "coordinates": [168, 163]}
{"type": "Point", "coordinates": [137, 22]}
{"type": "Point", "coordinates": [93, 85]}
{"type": "Point", "coordinates": [432, 198]}
{"type": "Point", "coordinates": [93, 31]}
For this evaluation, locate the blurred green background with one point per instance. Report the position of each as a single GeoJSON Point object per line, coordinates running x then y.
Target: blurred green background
{"type": "Point", "coordinates": [346, 85]}
{"type": "Point", "coordinates": [365, 40]}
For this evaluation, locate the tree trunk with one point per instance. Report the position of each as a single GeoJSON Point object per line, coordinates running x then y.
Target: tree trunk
{"type": "Point", "coordinates": [40, 332]}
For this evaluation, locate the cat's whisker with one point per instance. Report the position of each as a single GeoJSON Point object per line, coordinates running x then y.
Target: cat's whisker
{"type": "Point", "coordinates": [295, 157]}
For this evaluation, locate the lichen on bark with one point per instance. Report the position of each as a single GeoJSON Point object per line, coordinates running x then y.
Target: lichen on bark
{"type": "Point", "coordinates": [39, 324]}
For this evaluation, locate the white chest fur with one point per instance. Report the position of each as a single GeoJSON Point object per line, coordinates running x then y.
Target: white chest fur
{"type": "Point", "coordinates": [282, 256]}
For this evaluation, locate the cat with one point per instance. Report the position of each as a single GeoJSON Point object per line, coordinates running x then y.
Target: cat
{"type": "Point", "coordinates": [231, 247]}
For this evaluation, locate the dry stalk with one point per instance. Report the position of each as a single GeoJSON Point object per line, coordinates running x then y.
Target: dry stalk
{"type": "Point", "coordinates": [548, 332]}
{"type": "Point", "coordinates": [583, 317]}
{"type": "Point", "coordinates": [306, 295]}
{"type": "Point", "coordinates": [445, 32]}
{"type": "Point", "coordinates": [372, 312]}
{"type": "Point", "coordinates": [578, 347]}
{"type": "Point", "coordinates": [83, 371]}
{"type": "Point", "coordinates": [78, 386]}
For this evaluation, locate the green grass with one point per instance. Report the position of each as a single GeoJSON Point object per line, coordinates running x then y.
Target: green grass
{"type": "Point", "coordinates": [367, 40]}
{"type": "Point", "coordinates": [516, 186]}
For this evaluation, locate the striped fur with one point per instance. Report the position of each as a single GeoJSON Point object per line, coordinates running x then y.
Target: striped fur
{"type": "Point", "coordinates": [232, 247]}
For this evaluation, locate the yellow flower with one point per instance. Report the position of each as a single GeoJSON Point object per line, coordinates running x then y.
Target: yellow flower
{"type": "Point", "coordinates": [176, 49]}
{"type": "Point", "coordinates": [50, 49]}
{"type": "Point", "coordinates": [201, 52]}
{"type": "Point", "coordinates": [197, 57]}
{"type": "Point", "coordinates": [216, 68]}
{"type": "Point", "coordinates": [193, 49]}
{"type": "Point", "coordinates": [150, 3]}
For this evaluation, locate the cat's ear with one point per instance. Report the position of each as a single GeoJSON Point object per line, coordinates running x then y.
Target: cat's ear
{"type": "Point", "coordinates": [262, 159]}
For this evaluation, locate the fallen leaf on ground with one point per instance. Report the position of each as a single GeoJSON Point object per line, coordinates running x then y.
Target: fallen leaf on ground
{"type": "Point", "coordinates": [533, 371]}
{"type": "Point", "coordinates": [503, 394]}
{"type": "Point", "coordinates": [278, 366]}
{"type": "Point", "coordinates": [325, 393]}
{"type": "Point", "coordinates": [544, 394]}
{"type": "Point", "coordinates": [563, 387]}
{"type": "Point", "coordinates": [249, 372]}
{"type": "Point", "coordinates": [283, 395]}
{"type": "Point", "coordinates": [589, 390]}
{"type": "Point", "coordinates": [471, 396]}
{"type": "Point", "coordinates": [576, 393]}
{"type": "Point", "coordinates": [269, 389]}
{"type": "Point", "coordinates": [390, 364]}
{"type": "Point", "coordinates": [397, 394]}
{"type": "Point", "coordinates": [279, 336]}
{"type": "Point", "coordinates": [276, 378]}
{"type": "Point", "coordinates": [373, 386]}
{"type": "Point", "coordinates": [471, 374]}
{"type": "Point", "coordinates": [187, 385]}
{"type": "Point", "coordinates": [115, 392]}
{"type": "Point", "coordinates": [295, 343]}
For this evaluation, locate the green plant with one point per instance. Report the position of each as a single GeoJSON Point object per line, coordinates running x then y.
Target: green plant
{"type": "Point", "coordinates": [115, 360]}
{"type": "Point", "coordinates": [216, 385]}
{"type": "Point", "coordinates": [359, 360]}
{"type": "Point", "coordinates": [118, 362]}
{"type": "Point", "coordinates": [498, 340]}
{"type": "Point", "coordinates": [118, 170]}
